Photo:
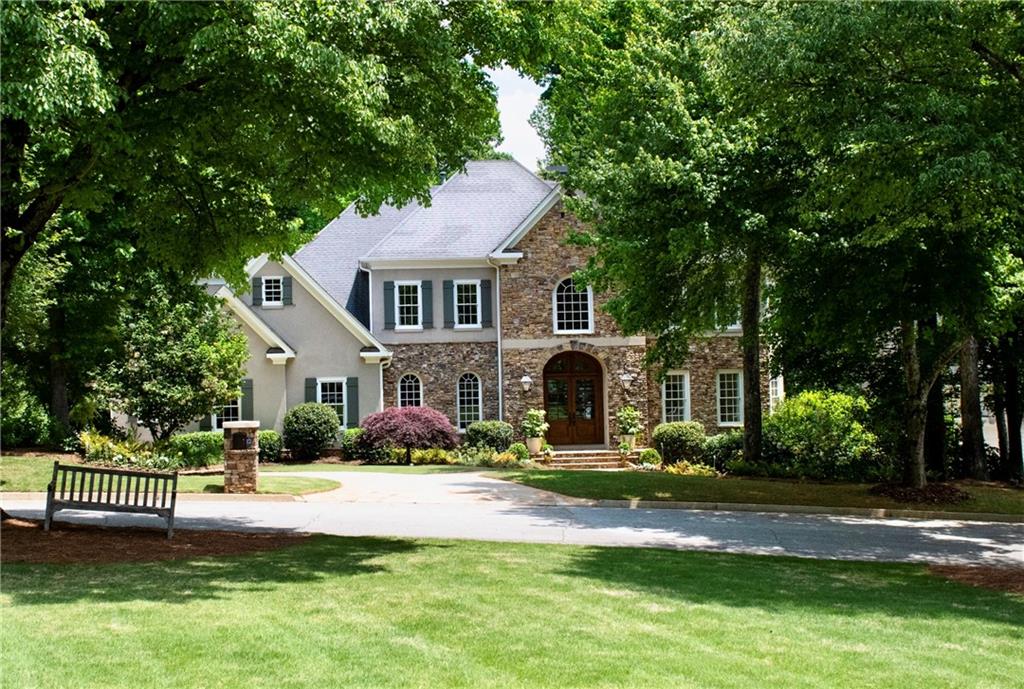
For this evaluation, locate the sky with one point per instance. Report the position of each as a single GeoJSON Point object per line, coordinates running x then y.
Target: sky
{"type": "Point", "coordinates": [517, 97]}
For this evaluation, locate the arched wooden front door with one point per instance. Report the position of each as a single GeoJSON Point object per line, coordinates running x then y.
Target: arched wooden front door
{"type": "Point", "coordinates": [574, 399]}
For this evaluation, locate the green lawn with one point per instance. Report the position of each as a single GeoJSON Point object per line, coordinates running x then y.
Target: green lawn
{"type": "Point", "coordinates": [386, 468]}
{"type": "Point", "coordinates": [367, 612]}
{"type": "Point", "coordinates": [661, 486]}
{"type": "Point", "coordinates": [30, 474]}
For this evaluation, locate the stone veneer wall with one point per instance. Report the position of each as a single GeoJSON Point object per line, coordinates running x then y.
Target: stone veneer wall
{"type": "Point", "coordinates": [707, 357]}
{"type": "Point", "coordinates": [439, 366]}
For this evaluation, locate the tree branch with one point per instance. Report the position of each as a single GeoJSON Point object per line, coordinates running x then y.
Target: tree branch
{"type": "Point", "coordinates": [995, 60]}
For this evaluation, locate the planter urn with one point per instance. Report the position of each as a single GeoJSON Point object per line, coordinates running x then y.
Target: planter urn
{"type": "Point", "coordinates": [534, 445]}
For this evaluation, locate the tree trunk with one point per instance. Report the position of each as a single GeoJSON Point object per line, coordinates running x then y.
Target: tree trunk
{"type": "Point", "coordinates": [1014, 415]}
{"type": "Point", "coordinates": [915, 407]}
{"type": "Point", "coordinates": [751, 323]}
{"type": "Point", "coordinates": [59, 407]}
{"type": "Point", "coordinates": [972, 446]}
{"type": "Point", "coordinates": [935, 432]}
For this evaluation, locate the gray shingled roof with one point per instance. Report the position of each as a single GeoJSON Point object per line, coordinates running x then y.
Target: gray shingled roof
{"type": "Point", "coordinates": [469, 216]}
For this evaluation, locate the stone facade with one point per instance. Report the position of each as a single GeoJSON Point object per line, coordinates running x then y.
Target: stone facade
{"type": "Point", "coordinates": [439, 366]}
{"type": "Point", "coordinates": [241, 456]}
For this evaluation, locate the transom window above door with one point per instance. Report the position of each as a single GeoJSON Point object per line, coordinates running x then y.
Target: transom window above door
{"type": "Point", "coordinates": [467, 303]}
{"type": "Point", "coordinates": [573, 308]}
{"type": "Point", "coordinates": [408, 305]}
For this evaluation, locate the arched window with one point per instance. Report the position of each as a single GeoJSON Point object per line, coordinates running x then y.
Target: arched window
{"type": "Point", "coordinates": [410, 391]}
{"type": "Point", "coordinates": [469, 400]}
{"type": "Point", "coordinates": [573, 308]}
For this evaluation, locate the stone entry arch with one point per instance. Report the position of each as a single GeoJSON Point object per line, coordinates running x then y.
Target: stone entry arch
{"type": "Point", "coordinates": [574, 399]}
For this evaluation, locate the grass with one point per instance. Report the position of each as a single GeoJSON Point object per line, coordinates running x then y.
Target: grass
{"type": "Point", "coordinates": [661, 486]}
{"type": "Point", "coordinates": [373, 468]}
{"type": "Point", "coordinates": [32, 474]}
{"type": "Point", "coordinates": [369, 612]}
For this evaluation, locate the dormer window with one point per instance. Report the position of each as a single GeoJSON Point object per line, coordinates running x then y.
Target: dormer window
{"type": "Point", "coordinates": [273, 291]}
{"type": "Point", "coordinates": [408, 305]}
{"type": "Point", "coordinates": [573, 309]}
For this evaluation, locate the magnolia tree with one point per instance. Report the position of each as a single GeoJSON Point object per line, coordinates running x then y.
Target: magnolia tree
{"type": "Point", "coordinates": [411, 428]}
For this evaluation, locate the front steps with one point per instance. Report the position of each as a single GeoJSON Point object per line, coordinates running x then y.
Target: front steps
{"type": "Point", "coordinates": [585, 459]}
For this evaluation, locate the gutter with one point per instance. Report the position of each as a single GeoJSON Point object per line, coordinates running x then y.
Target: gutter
{"type": "Point", "coordinates": [497, 324]}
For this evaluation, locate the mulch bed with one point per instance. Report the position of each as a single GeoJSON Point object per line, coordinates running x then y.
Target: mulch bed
{"type": "Point", "coordinates": [932, 494]}
{"type": "Point", "coordinates": [22, 540]}
{"type": "Point", "coordinates": [1008, 579]}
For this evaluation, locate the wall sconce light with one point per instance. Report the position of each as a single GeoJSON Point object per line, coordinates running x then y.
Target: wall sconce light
{"type": "Point", "coordinates": [526, 382]}
{"type": "Point", "coordinates": [627, 380]}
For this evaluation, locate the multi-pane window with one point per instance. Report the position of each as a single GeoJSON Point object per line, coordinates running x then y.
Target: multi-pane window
{"type": "Point", "coordinates": [730, 398]}
{"type": "Point", "coordinates": [410, 391]}
{"type": "Point", "coordinates": [331, 391]}
{"type": "Point", "coordinates": [232, 411]}
{"type": "Point", "coordinates": [776, 394]}
{"type": "Point", "coordinates": [273, 291]}
{"type": "Point", "coordinates": [469, 401]}
{"type": "Point", "coordinates": [675, 397]}
{"type": "Point", "coordinates": [573, 308]}
{"type": "Point", "coordinates": [467, 303]}
{"type": "Point", "coordinates": [408, 296]}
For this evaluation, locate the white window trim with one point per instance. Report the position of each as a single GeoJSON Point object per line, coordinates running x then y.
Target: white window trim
{"type": "Point", "coordinates": [554, 311]}
{"type": "Point", "coordinates": [718, 397]}
{"type": "Point", "coordinates": [398, 389]}
{"type": "Point", "coordinates": [479, 305]}
{"type": "Point", "coordinates": [419, 305]}
{"type": "Point", "coordinates": [213, 417]}
{"type": "Point", "coordinates": [344, 395]}
{"type": "Point", "coordinates": [458, 400]}
{"type": "Point", "coordinates": [686, 386]}
{"type": "Point", "coordinates": [263, 289]}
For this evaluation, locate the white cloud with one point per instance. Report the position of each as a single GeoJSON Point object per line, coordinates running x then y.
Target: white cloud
{"type": "Point", "coordinates": [517, 98]}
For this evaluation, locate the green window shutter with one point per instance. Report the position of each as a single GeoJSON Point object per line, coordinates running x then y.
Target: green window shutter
{"type": "Point", "coordinates": [427, 290]}
{"type": "Point", "coordinates": [257, 291]}
{"type": "Point", "coordinates": [486, 319]}
{"type": "Point", "coordinates": [449, 304]}
{"type": "Point", "coordinates": [205, 424]}
{"type": "Point", "coordinates": [389, 305]}
{"type": "Point", "coordinates": [311, 389]}
{"type": "Point", "coordinates": [351, 402]}
{"type": "Point", "coordinates": [286, 289]}
{"type": "Point", "coordinates": [247, 413]}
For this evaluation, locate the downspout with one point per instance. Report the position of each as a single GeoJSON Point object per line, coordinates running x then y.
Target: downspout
{"type": "Point", "coordinates": [497, 324]}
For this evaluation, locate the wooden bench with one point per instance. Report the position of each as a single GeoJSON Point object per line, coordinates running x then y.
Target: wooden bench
{"type": "Point", "coordinates": [111, 490]}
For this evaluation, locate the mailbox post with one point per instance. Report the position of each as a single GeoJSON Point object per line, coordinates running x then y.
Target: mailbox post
{"type": "Point", "coordinates": [241, 456]}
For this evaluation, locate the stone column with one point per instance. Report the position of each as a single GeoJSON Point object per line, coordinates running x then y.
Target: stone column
{"type": "Point", "coordinates": [241, 456]}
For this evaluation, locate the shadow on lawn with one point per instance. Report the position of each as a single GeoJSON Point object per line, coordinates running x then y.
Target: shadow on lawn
{"type": "Point", "coordinates": [782, 584]}
{"type": "Point", "coordinates": [184, 581]}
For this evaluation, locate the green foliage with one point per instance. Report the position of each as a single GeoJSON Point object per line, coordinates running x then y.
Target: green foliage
{"type": "Point", "coordinates": [691, 469]}
{"type": "Point", "coordinates": [679, 441]}
{"type": "Point", "coordinates": [496, 434]}
{"type": "Point", "coordinates": [132, 454]}
{"type": "Point", "coordinates": [534, 425]}
{"type": "Point", "coordinates": [723, 448]}
{"type": "Point", "coordinates": [356, 446]}
{"type": "Point", "coordinates": [434, 455]}
{"type": "Point", "coordinates": [520, 451]}
{"type": "Point", "coordinates": [183, 357]}
{"type": "Point", "coordinates": [24, 421]}
{"type": "Point", "coordinates": [650, 456]}
{"type": "Point", "coordinates": [629, 420]}
{"type": "Point", "coordinates": [821, 434]}
{"type": "Point", "coordinates": [271, 445]}
{"type": "Point", "coordinates": [310, 428]}
{"type": "Point", "coordinates": [196, 449]}
{"type": "Point", "coordinates": [488, 457]}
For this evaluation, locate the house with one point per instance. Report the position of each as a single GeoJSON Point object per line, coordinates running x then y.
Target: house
{"type": "Point", "coordinates": [467, 306]}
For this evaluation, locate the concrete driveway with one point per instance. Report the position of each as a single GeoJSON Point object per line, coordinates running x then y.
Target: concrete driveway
{"type": "Point", "coordinates": [473, 505]}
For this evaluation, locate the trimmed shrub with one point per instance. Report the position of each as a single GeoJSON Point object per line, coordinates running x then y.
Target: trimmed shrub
{"type": "Point", "coordinates": [721, 449]}
{"type": "Point", "coordinates": [650, 456]}
{"type": "Point", "coordinates": [309, 429]}
{"type": "Point", "coordinates": [821, 434]}
{"type": "Point", "coordinates": [496, 434]}
{"type": "Point", "coordinates": [356, 447]}
{"type": "Point", "coordinates": [680, 441]}
{"type": "Point", "coordinates": [196, 449]}
{"type": "Point", "coordinates": [685, 468]}
{"type": "Point", "coordinates": [270, 445]}
{"type": "Point", "coordinates": [520, 451]}
{"type": "Point", "coordinates": [410, 428]}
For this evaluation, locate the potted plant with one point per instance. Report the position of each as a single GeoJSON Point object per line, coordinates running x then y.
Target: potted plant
{"type": "Point", "coordinates": [629, 425]}
{"type": "Point", "coordinates": [534, 428]}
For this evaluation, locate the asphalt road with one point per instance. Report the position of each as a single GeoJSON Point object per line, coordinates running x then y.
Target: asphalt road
{"type": "Point", "coordinates": [472, 505]}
